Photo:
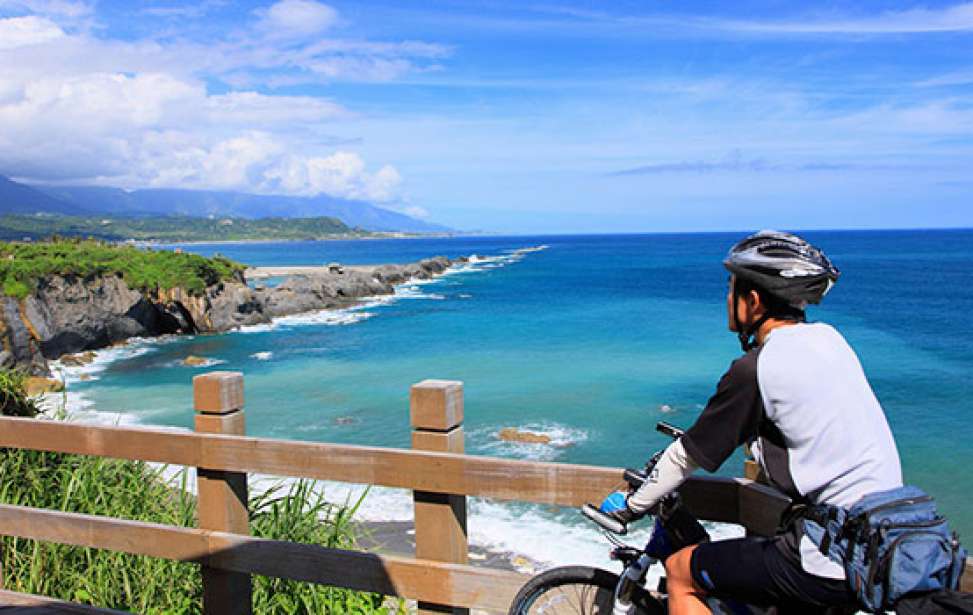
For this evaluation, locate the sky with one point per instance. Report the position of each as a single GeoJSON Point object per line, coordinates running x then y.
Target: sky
{"type": "Point", "coordinates": [514, 117]}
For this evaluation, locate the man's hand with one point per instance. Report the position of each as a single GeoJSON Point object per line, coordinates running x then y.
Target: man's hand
{"type": "Point", "coordinates": [625, 514]}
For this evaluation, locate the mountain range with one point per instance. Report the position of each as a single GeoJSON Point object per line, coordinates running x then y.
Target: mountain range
{"type": "Point", "coordinates": [22, 198]}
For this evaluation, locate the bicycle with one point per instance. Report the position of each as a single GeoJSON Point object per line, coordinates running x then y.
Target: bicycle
{"type": "Point", "coordinates": [588, 590]}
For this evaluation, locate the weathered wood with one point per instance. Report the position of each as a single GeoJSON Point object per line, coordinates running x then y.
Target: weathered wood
{"type": "Point", "coordinates": [218, 392]}
{"type": "Point", "coordinates": [440, 518]}
{"type": "Point", "coordinates": [222, 495]}
{"type": "Point", "coordinates": [966, 583]}
{"type": "Point", "coordinates": [559, 484]}
{"type": "Point", "coordinates": [32, 604]}
{"type": "Point", "coordinates": [436, 582]}
{"type": "Point", "coordinates": [436, 404]}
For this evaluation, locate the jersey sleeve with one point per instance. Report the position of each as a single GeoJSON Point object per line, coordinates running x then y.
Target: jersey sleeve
{"type": "Point", "coordinates": [732, 416]}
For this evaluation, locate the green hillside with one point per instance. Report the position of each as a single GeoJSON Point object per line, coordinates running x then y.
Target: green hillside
{"type": "Point", "coordinates": [23, 264]}
{"type": "Point", "coordinates": [174, 228]}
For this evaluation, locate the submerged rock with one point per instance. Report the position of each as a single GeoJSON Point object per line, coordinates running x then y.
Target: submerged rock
{"type": "Point", "coordinates": [37, 385]}
{"type": "Point", "coordinates": [512, 434]}
{"type": "Point", "coordinates": [194, 361]}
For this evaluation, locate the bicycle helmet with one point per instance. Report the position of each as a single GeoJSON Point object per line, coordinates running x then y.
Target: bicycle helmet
{"type": "Point", "coordinates": [785, 266]}
{"type": "Point", "coordinates": [790, 269]}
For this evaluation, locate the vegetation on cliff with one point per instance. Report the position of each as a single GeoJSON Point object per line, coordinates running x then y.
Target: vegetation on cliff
{"type": "Point", "coordinates": [138, 491]}
{"type": "Point", "coordinates": [23, 264]}
{"type": "Point", "coordinates": [174, 228]}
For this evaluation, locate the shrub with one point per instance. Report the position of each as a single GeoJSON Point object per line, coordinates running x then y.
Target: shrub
{"type": "Point", "coordinates": [23, 264]}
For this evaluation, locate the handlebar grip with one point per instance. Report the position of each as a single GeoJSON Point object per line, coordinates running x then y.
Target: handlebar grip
{"type": "Point", "coordinates": [670, 430]}
{"type": "Point", "coordinates": [612, 525]}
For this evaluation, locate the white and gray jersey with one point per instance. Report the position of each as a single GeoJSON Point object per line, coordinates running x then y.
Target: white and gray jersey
{"type": "Point", "coordinates": [803, 402]}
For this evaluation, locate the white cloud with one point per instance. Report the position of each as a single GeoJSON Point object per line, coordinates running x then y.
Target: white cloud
{"type": "Point", "coordinates": [52, 8]}
{"type": "Point", "coordinates": [956, 18]}
{"type": "Point", "coordinates": [25, 31]}
{"type": "Point", "coordinates": [158, 130]}
{"type": "Point", "coordinates": [416, 212]}
{"type": "Point", "coordinates": [78, 108]}
{"type": "Point", "coordinates": [296, 18]}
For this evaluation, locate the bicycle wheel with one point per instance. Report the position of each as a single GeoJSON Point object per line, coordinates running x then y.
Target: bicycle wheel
{"type": "Point", "coordinates": [577, 590]}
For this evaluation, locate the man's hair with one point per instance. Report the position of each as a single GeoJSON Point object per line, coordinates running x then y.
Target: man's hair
{"type": "Point", "coordinates": [776, 307]}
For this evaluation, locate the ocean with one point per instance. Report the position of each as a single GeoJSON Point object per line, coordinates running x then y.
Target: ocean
{"type": "Point", "coordinates": [590, 340]}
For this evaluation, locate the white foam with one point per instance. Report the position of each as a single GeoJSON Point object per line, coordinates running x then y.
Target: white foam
{"type": "Point", "coordinates": [324, 317]}
{"type": "Point", "coordinates": [265, 355]}
{"type": "Point", "coordinates": [104, 357]}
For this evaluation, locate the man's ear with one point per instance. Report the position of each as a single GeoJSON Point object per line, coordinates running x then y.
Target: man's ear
{"type": "Point", "coordinates": [755, 301]}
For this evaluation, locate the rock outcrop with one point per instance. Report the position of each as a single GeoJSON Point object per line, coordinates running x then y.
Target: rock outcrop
{"type": "Point", "coordinates": [68, 314]}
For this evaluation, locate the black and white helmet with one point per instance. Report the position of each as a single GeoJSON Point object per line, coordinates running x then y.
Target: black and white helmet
{"type": "Point", "coordinates": [784, 265]}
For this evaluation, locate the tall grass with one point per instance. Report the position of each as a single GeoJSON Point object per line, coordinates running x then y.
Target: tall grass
{"type": "Point", "coordinates": [14, 400]}
{"type": "Point", "coordinates": [136, 490]}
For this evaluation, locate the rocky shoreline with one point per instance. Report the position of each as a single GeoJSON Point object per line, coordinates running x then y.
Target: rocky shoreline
{"type": "Point", "coordinates": [69, 314]}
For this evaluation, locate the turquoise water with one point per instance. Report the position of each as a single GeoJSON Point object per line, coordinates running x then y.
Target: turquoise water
{"type": "Point", "coordinates": [592, 341]}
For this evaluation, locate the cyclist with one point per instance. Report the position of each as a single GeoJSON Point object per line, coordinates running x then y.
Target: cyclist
{"type": "Point", "coordinates": [800, 398]}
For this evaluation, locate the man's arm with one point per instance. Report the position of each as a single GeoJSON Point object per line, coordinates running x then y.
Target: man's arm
{"type": "Point", "coordinates": [731, 417]}
{"type": "Point", "coordinates": [674, 467]}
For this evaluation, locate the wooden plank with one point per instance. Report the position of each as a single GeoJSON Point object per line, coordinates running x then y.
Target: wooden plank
{"type": "Point", "coordinates": [436, 582]}
{"type": "Point", "coordinates": [966, 583]}
{"type": "Point", "coordinates": [546, 483]}
{"type": "Point", "coordinates": [541, 482]}
{"type": "Point", "coordinates": [42, 605]}
{"type": "Point", "coordinates": [560, 484]}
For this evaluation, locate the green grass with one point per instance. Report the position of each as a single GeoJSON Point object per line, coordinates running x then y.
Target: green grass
{"type": "Point", "coordinates": [138, 491]}
{"type": "Point", "coordinates": [13, 396]}
{"type": "Point", "coordinates": [23, 264]}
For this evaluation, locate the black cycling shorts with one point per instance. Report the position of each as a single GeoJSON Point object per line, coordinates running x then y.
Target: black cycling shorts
{"type": "Point", "coordinates": [763, 572]}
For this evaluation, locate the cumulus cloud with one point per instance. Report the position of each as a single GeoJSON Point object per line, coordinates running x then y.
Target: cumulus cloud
{"type": "Point", "coordinates": [25, 31]}
{"type": "Point", "coordinates": [78, 108]}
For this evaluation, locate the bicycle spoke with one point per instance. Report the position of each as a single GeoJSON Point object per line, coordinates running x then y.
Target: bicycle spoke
{"type": "Point", "coordinates": [575, 599]}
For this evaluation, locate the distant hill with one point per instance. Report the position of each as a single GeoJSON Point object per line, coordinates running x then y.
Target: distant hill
{"type": "Point", "coordinates": [17, 198]}
{"type": "Point", "coordinates": [174, 228]}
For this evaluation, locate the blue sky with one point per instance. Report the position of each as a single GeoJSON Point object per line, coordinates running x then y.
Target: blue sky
{"type": "Point", "coordinates": [509, 117]}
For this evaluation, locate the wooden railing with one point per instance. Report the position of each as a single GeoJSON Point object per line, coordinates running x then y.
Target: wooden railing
{"type": "Point", "coordinates": [436, 470]}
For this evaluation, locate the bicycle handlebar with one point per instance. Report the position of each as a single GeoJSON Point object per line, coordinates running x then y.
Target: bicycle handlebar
{"type": "Point", "coordinates": [612, 525]}
{"type": "Point", "coordinates": [670, 430]}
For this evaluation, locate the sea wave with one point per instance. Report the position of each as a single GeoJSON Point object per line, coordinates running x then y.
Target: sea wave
{"type": "Point", "coordinates": [101, 359]}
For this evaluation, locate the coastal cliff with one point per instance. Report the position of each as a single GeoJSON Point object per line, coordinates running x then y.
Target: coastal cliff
{"type": "Point", "coordinates": [66, 314]}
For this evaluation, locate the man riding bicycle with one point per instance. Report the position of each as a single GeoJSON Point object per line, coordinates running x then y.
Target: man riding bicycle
{"type": "Point", "coordinates": [800, 399]}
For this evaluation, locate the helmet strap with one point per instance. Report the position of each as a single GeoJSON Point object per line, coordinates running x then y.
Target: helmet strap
{"type": "Point", "coordinates": [748, 336]}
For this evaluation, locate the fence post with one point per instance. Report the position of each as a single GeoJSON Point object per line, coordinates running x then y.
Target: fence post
{"type": "Point", "coordinates": [436, 412]}
{"type": "Point", "coordinates": [218, 400]}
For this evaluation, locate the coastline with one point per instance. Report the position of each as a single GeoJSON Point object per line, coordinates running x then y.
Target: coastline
{"type": "Point", "coordinates": [218, 242]}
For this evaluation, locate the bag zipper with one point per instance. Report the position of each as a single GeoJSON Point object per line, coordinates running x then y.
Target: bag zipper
{"type": "Point", "coordinates": [903, 502]}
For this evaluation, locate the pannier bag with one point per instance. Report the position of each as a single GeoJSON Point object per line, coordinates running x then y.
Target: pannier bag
{"type": "Point", "coordinates": [891, 544]}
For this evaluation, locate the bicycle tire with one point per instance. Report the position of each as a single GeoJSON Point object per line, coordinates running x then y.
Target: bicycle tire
{"type": "Point", "coordinates": [553, 585]}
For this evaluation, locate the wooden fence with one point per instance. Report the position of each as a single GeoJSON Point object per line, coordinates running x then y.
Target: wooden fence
{"type": "Point", "coordinates": [435, 469]}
